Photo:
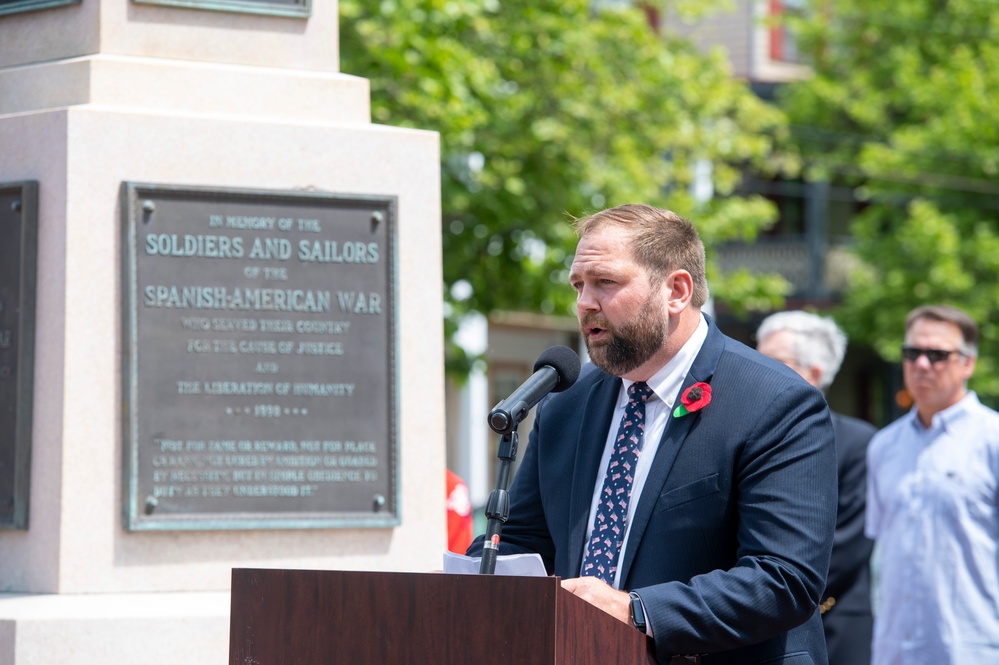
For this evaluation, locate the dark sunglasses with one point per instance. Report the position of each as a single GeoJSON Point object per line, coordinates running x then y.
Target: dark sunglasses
{"type": "Point", "coordinates": [912, 353]}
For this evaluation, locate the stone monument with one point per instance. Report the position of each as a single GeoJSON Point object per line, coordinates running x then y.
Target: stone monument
{"type": "Point", "coordinates": [220, 322]}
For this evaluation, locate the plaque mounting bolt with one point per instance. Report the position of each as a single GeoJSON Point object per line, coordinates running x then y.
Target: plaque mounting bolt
{"type": "Point", "coordinates": [379, 503]}
{"type": "Point", "coordinates": [15, 205]}
{"type": "Point", "coordinates": [149, 206]}
{"type": "Point", "coordinates": [151, 504]}
{"type": "Point", "coordinates": [377, 218]}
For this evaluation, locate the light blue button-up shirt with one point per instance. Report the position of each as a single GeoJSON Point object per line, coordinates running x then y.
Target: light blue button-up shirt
{"type": "Point", "coordinates": [933, 507]}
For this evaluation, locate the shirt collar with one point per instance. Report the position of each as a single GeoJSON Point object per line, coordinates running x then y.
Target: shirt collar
{"type": "Point", "coordinates": [946, 418]}
{"type": "Point", "coordinates": [667, 381]}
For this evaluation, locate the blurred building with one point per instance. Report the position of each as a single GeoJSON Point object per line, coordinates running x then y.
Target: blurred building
{"type": "Point", "coordinates": [759, 49]}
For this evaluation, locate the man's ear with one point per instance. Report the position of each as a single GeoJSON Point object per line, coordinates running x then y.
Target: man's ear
{"type": "Point", "coordinates": [814, 374]}
{"type": "Point", "coordinates": [969, 367]}
{"type": "Point", "coordinates": [679, 289]}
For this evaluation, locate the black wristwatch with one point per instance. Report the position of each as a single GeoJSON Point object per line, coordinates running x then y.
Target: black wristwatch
{"type": "Point", "coordinates": [637, 611]}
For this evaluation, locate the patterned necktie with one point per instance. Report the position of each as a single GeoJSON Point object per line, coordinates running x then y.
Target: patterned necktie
{"type": "Point", "coordinates": [612, 509]}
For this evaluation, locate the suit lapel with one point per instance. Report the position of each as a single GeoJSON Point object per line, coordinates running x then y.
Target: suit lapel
{"type": "Point", "coordinates": [677, 429]}
{"type": "Point", "coordinates": [596, 421]}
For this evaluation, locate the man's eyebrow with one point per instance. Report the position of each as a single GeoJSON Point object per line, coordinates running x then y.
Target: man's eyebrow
{"type": "Point", "coordinates": [595, 273]}
{"type": "Point", "coordinates": [591, 268]}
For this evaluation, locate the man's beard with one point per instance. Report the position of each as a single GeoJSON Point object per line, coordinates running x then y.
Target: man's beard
{"type": "Point", "coordinates": [632, 343]}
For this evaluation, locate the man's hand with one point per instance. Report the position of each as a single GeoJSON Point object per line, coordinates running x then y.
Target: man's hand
{"type": "Point", "coordinates": [599, 593]}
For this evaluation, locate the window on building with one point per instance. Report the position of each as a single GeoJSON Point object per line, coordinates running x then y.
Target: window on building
{"type": "Point", "coordinates": [783, 42]}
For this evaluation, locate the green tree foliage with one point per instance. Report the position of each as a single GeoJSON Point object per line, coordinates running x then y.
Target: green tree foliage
{"type": "Point", "coordinates": [904, 106]}
{"type": "Point", "coordinates": [548, 110]}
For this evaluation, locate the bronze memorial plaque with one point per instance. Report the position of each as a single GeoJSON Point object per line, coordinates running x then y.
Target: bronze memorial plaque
{"type": "Point", "coordinates": [18, 243]}
{"type": "Point", "coordinates": [259, 359]}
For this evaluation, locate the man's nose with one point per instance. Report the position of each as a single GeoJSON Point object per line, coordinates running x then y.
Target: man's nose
{"type": "Point", "coordinates": [586, 300]}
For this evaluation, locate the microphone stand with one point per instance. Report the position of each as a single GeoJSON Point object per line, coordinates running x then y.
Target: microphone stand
{"type": "Point", "coordinates": [498, 506]}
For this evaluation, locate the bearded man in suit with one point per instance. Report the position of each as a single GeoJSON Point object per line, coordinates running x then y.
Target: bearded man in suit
{"type": "Point", "coordinates": [685, 484]}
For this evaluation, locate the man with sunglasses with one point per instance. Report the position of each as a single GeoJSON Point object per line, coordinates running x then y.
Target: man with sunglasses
{"type": "Point", "coordinates": [933, 504]}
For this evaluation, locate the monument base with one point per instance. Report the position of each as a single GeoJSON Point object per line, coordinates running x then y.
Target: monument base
{"type": "Point", "coordinates": [98, 629]}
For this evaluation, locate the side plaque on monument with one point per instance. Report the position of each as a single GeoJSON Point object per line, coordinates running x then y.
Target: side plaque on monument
{"type": "Point", "coordinates": [293, 8]}
{"type": "Point", "coordinates": [15, 6]}
{"type": "Point", "coordinates": [18, 245]}
{"type": "Point", "coordinates": [259, 365]}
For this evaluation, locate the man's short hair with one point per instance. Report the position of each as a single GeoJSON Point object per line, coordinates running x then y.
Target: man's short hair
{"type": "Point", "coordinates": [949, 314]}
{"type": "Point", "coordinates": [818, 341]}
{"type": "Point", "coordinates": [662, 242]}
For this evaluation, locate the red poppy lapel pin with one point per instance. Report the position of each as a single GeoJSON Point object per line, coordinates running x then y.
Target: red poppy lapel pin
{"type": "Point", "coordinates": [694, 398]}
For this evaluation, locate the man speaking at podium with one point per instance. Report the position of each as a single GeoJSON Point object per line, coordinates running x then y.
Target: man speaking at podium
{"type": "Point", "coordinates": [685, 483]}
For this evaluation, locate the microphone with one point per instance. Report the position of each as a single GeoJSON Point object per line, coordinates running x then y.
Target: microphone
{"type": "Point", "coordinates": [556, 369]}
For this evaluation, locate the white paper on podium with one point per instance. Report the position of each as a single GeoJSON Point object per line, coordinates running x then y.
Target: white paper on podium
{"type": "Point", "coordinates": [521, 565]}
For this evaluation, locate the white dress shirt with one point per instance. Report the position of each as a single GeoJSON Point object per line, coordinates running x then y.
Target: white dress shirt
{"type": "Point", "coordinates": [666, 385]}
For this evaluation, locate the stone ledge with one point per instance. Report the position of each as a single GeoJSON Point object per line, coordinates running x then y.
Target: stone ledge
{"type": "Point", "coordinates": [178, 86]}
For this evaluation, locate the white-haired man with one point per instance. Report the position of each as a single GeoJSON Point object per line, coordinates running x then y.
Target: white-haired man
{"type": "Point", "coordinates": [814, 347]}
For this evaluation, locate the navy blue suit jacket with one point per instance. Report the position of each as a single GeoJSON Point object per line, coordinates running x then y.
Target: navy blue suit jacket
{"type": "Point", "coordinates": [730, 541]}
{"type": "Point", "coordinates": [848, 621]}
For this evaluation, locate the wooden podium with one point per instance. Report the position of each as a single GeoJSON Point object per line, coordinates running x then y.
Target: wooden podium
{"type": "Point", "coordinates": [318, 617]}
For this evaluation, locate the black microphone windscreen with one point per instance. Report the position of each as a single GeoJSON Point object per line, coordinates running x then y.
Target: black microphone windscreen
{"type": "Point", "coordinates": [564, 361]}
